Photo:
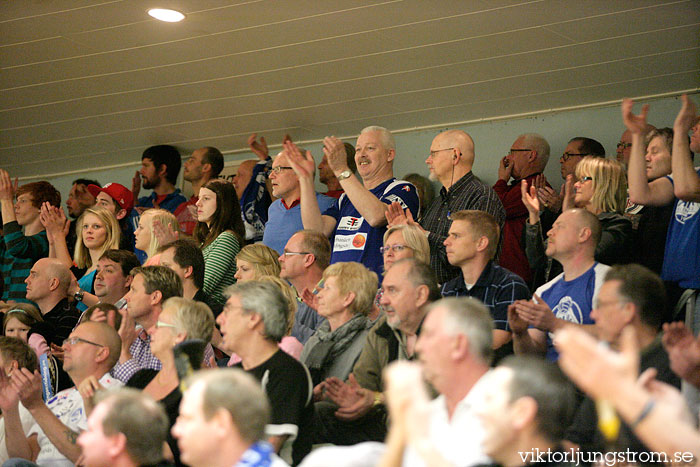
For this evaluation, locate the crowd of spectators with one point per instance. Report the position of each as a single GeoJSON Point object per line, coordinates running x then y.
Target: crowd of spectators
{"type": "Point", "coordinates": [262, 323]}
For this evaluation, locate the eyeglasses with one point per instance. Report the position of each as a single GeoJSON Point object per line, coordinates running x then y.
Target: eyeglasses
{"type": "Point", "coordinates": [566, 155]}
{"type": "Point", "coordinates": [395, 248]}
{"type": "Point", "coordinates": [162, 324]}
{"type": "Point", "coordinates": [278, 169]}
{"type": "Point", "coordinates": [585, 179]}
{"type": "Point", "coordinates": [295, 253]}
{"type": "Point", "coordinates": [622, 145]}
{"type": "Point", "coordinates": [77, 340]}
{"type": "Point", "coordinates": [511, 152]}
{"type": "Point", "coordinates": [432, 153]}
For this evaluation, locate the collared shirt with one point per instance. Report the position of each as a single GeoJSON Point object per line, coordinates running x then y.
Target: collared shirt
{"type": "Point", "coordinates": [141, 357]}
{"type": "Point", "coordinates": [466, 193]}
{"type": "Point", "coordinates": [458, 439]}
{"type": "Point", "coordinates": [496, 287]}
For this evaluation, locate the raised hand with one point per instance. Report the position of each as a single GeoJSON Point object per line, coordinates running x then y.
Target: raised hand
{"type": "Point", "coordinates": [127, 332]}
{"type": "Point", "coordinates": [7, 188]}
{"type": "Point", "coordinates": [505, 169]}
{"type": "Point", "coordinates": [683, 352]}
{"type": "Point", "coordinates": [688, 115]}
{"type": "Point", "coordinates": [636, 124]}
{"type": "Point", "coordinates": [515, 322]}
{"type": "Point", "coordinates": [136, 185]}
{"type": "Point", "coordinates": [537, 313]}
{"type": "Point", "coordinates": [395, 214]}
{"type": "Point", "coordinates": [164, 233]}
{"type": "Point", "coordinates": [87, 389]}
{"type": "Point", "coordinates": [259, 148]}
{"type": "Point", "coordinates": [28, 387]}
{"type": "Point", "coordinates": [550, 198]}
{"type": "Point", "coordinates": [334, 149]}
{"type": "Point", "coordinates": [54, 220]}
{"type": "Point", "coordinates": [302, 164]}
{"type": "Point", "coordinates": [569, 194]}
{"type": "Point", "coordinates": [9, 398]}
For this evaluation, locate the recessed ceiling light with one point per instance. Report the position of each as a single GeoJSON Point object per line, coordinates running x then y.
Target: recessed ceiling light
{"type": "Point", "coordinates": [162, 14]}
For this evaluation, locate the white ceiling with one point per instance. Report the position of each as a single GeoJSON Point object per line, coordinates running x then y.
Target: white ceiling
{"type": "Point", "coordinates": [89, 83]}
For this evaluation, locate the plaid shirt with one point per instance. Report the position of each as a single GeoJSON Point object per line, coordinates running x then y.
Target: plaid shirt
{"type": "Point", "coordinates": [467, 193]}
{"type": "Point", "coordinates": [496, 287]}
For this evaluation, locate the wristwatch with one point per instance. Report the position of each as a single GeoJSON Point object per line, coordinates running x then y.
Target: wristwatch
{"type": "Point", "coordinates": [344, 174]}
{"type": "Point", "coordinates": [78, 296]}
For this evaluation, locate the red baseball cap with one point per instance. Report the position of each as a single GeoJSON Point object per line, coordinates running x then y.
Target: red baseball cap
{"type": "Point", "coordinates": [119, 193]}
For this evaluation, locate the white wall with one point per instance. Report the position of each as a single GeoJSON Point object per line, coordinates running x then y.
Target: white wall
{"type": "Point", "coordinates": [492, 141]}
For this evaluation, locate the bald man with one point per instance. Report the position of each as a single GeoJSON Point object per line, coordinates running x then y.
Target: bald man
{"type": "Point", "coordinates": [90, 351]}
{"type": "Point", "coordinates": [450, 161]}
{"type": "Point", "coordinates": [47, 286]}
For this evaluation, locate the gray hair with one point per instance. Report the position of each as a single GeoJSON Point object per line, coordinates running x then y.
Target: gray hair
{"type": "Point", "coordinates": [386, 137]}
{"type": "Point", "coordinates": [266, 300]}
{"type": "Point", "coordinates": [468, 316]}
{"type": "Point", "coordinates": [537, 143]}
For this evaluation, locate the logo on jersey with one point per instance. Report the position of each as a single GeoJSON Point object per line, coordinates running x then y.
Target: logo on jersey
{"type": "Point", "coordinates": [350, 223]}
{"type": "Point", "coordinates": [394, 198]}
{"type": "Point", "coordinates": [568, 310]}
{"type": "Point", "coordinates": [350, 242]}
{"type": "Point", "coordinates": [685, 210]}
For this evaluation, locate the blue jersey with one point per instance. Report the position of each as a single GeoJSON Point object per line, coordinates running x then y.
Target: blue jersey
{"type": "Point", "coordinates": [355, 239]}
{"type": "Point", "coordinates": [572, 300]}
{"type": "Point", "coordinates": [682, 254]}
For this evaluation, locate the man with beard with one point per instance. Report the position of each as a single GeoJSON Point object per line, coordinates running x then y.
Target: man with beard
{"type": "Point", "coordinates": [159, 168]}
{"type": "Point", "coordinates": [203, 165]}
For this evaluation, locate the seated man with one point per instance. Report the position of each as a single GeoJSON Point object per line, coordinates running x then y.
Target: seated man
{"type": "Point", "coordinates": [358, 221]}
{"type": "Point", "coordinates": [150, 287]}
{"type": "Point", "coordinates": [222, 422]}
{"type": "Point", "coordinates": [253, 322]}
{"type": "Point", "coordinates": [112, 279]}
{"type": "Point", "coordinates": [23, 235]}
{"type": "Point", "coordinates": [633, 296]}
{"type": "Point", "coordinates": [471, 246]}
{"type": "Point", "coordinates": [90, 351]}
{"type": "Point", "coordinates": [355, 411]}
{"type": "Point", "coordinates": [127, 428]}
{"type": "Point", "coordinates": [569, 297]}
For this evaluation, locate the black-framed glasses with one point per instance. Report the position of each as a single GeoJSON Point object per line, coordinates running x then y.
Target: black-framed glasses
{"type": "Point", "coordinates": [585, 179]}
{"type": "Point", "coordinates": [432, 153]}
{"type": "Point", "coordinates": [77, 340]}
{"type": "Point", "coordinates": [566, 155]}
{"type": "Point", "coordinates": [511, 151]}
{"type": "Point", "coordinates": [396, 248]}
{"type": "Point", "coordinates": [622, 145]}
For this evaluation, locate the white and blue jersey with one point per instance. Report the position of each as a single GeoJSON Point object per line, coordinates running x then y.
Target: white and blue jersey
{"type": "Point", "coordinates": [355, 239]}
{"type": "Point", "coordinates": [682, 254]}
{"type": "Point", "coordinates": [572, 300]}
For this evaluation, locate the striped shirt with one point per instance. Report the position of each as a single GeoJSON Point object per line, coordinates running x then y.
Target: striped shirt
{"type": "Point", "coordinates": [19, 253]}
{"type": "Point", "coordinates": [220, 265]}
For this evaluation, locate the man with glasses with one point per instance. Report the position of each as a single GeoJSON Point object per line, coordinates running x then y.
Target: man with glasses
{"type": "Point", "coordinates": [450, 162]}
{"type": "Point", "coordinates": [303, 260]}
{"type": "Point", "coordinates": [471, 246]}
{"type": "Point", "coordinates": [358, 220]}
{"type": "Point", "coordinates": [284, 215]}
{"type": "Point", "coordinates": [631, 295]}
{"type": "Point", "coordinates": [90, 352]}
{"type": "Point", "coordinates": [526, 160]}
{"type": "Point", "coordinates": [576, 149]}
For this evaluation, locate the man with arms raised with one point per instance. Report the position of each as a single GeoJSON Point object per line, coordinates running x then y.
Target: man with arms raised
{"type": "Point", "coordinates": [358, 221]}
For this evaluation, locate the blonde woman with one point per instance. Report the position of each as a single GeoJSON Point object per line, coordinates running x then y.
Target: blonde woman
{"type": "Point", "coordinates": [145, 237]}
{"type": "Point", "coordinates": [97, 231]}
{"type": "Point", "coordinates": [345, 300]}
{"type": "Point", "coordinates": [404, 241]}
{"type": "Point", "coordinates": [255, 261]}
{"type": "Point", "coordinates": [600, 188]}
